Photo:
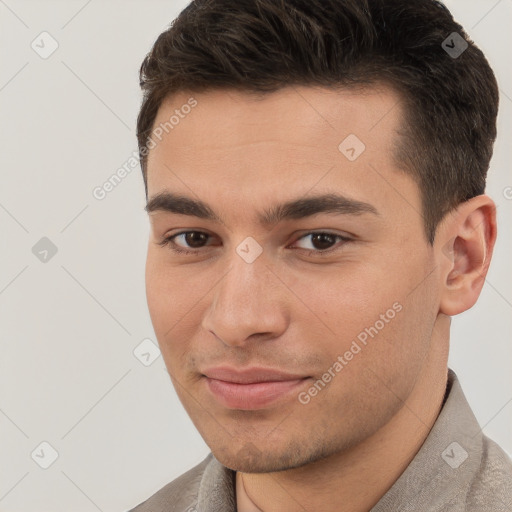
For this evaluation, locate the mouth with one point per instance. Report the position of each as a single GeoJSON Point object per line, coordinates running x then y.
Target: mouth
{"type": "Point", "coordinates": [251, 388]}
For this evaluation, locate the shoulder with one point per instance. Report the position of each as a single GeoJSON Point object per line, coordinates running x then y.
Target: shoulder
{"type": "Point", "coordinates": [178, 495]}
{"type": "Point", "coordinates": [491, 488]}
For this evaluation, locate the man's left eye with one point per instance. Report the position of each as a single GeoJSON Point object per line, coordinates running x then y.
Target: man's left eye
{"type": "Point", "coordinates": [321, 242]}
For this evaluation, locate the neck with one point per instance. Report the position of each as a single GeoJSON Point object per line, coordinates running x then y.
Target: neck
{"type": "Point", "coordinates": [359, 477]}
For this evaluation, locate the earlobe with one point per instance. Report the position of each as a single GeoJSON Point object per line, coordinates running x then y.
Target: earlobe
{"type": "Point", "coordinates": [465, 250]}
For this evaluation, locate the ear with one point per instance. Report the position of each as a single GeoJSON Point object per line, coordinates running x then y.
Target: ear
{"type": "Point", "coordinates": [464, 250]}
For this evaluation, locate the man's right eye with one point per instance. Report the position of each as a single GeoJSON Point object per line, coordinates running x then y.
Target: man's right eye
{"type": "Point", "coordinates": [190, 239]}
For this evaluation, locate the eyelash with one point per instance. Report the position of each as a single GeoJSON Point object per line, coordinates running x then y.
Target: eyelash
{"type": "Point", "coordinates": [176, 249]}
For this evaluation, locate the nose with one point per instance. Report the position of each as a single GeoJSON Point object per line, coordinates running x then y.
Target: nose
{"type": "Point", "coordinates": [247, 304]}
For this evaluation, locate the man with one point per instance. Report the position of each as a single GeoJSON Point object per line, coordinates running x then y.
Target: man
{"type": "Point", "coordinates": [315, 174]}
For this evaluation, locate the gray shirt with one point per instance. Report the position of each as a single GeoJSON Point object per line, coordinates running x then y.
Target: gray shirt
{"type": "Point", "coordinates": [456, 469]}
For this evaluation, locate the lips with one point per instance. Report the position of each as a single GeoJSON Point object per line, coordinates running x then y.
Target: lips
{"type": "Point", "coordinates": [251, 388]}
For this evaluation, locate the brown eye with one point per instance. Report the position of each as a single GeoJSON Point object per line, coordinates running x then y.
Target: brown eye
{"type": "Point", "coordinates": [186, 242]}
{"type": "Point", "coordinates": [195, 239]}
{"type": "Point", "coordinates": [323, 241]}
{"type": "Point", "coordinates": [320, 242]}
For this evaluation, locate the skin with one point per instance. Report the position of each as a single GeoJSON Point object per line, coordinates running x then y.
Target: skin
{"type": "Point", "coordinates": [297, 311]}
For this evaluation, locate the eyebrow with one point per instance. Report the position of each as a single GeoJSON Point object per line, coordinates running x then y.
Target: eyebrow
{"type": "Point", "coordinates": [295, 209]}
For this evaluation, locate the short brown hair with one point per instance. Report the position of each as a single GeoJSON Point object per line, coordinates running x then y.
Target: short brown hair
{"type": "Point", "coordinates": [451, 101]}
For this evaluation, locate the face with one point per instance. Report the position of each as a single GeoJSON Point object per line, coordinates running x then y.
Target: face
{"type": "Point", "coordinates": [289, 281]}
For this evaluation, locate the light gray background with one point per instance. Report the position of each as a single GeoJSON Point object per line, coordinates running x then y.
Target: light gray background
{"type": "Point", "coordinates": [68, 327]}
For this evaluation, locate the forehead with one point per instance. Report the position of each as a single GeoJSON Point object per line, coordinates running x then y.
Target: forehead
{"type": "Point", "coordinates": [222, 118]}
{"type": "Point", "coordinates": [235, 148]}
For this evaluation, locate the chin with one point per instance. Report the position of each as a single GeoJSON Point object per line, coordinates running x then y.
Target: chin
{"type": "Point", "coordinates": [250, 458]}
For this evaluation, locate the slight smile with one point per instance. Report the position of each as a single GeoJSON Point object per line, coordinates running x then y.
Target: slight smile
{"type": "Point", "coordinates": [251, 388]}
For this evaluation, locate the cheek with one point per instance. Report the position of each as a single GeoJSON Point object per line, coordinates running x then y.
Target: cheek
{"type": "Point", "coordinates": [169, 296]}
{"type": "Point", "coordinates": [156, 291]}
{"type": "Point", "coordinates": [367, 311]}
{"type": "Point", "coordinates": [346, 299]}
{"type": "Point", "coordinates": [167, 322]}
